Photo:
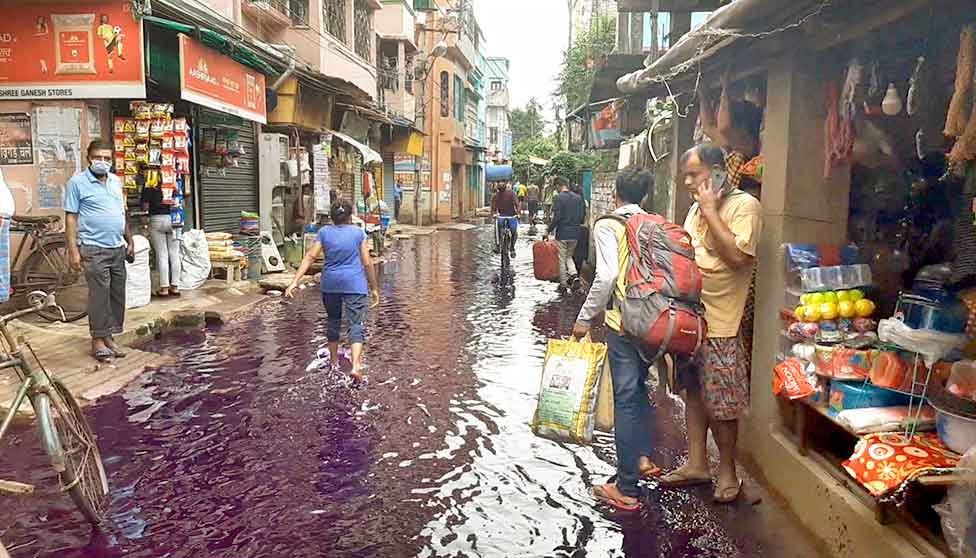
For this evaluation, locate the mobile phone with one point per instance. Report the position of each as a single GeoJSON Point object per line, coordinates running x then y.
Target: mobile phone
{"type": "Point", "coordinates": [719, 176]}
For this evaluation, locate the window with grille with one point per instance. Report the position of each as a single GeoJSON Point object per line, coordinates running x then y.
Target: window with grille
{"type": "Point", "coordinates": [334, 18]}
{"type": "Point", "coordinates": [363, 18]}
{"type": "Point", "coordinates": [496, 86]}
{"type": "Point", "coordinates": [458, 99]}
{"type": "Point", "coordinates": [408, 77]}
{"type": "Point", "coordinates": [445, 94]}
{"type": "Point", "coordinates": [298, 10]}
{"type": "Point", "coordinates": [493, 136]}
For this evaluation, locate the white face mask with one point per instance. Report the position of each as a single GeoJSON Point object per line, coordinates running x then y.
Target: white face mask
{"type": "Point", "coordinates": [100, 168]}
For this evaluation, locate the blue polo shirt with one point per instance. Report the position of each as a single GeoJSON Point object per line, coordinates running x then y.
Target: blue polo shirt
{"type": "Point", "coordinates": [100, 209]}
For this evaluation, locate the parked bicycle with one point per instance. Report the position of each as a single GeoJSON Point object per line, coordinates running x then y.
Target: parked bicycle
{"type": "Point", "coordinates": [64, 431]}
{"type": "Point", "coordinates": [41, 264]}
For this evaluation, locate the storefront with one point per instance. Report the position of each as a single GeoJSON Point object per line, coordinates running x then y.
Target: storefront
{"type": "Point", "coordinates": [59, 65]}
{"type": "Point", "coordinates": [861, 404]}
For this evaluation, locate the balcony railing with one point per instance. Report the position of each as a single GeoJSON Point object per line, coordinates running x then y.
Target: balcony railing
{"type": "Point", "coordinates": [334, 18]}
{"type": "Point", "coordinates": [270, 12]}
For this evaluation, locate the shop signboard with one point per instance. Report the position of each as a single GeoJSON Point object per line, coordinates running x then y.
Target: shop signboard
{"type": "Point", "coordinates": [71, 50]}
{"type": "Point", "coordinates": [215, 81]}
{"type": "Point", "coordinates": [15, 139]}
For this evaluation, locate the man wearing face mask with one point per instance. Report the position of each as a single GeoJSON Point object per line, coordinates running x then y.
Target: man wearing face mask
{"type": "Point", "coordinates": [724, 224]}
{"type": "Point", "coordinates": [99, 242]}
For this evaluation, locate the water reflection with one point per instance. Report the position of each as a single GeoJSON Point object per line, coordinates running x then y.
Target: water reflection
{"type": "Point", "coordinates": [248, 447]}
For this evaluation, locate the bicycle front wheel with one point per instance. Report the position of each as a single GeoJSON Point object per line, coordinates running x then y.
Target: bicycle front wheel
{"type": "Point", "coordinates": [47, 269]}
{"type": "Point", "coordinates": [70, 442]}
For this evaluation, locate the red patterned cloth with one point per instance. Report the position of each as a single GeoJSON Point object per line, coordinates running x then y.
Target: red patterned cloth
{"type": "Point", "coordinates": [883, 462]}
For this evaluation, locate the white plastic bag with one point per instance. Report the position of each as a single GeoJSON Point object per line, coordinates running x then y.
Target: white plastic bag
{"type": "Point", "coordinates": [138, 281]}
{"type": "Point", "coordinates": [195, 257]}
{"type": "Point", "coordinates": [932, 345]}
{"type": "Point", "coordinates": [957, 510]}
{"type": "Point", "coordinates": [568, 391]}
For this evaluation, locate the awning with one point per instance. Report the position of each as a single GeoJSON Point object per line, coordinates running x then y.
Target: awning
{"type": "Point", "coordinates": [683, 59]}
{"type": "Point", "coordinates": [219, 42]}
{"type": "Point", "coordinates": [538, 161]}
{"type": "Point", "coordinates": [369, 156]}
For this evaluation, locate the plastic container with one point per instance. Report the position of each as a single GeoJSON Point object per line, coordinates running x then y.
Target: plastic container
{"type": "Point", "coordinates": [956, 432]}
{"type": "Point", "coordinates": [858, 395]}
{"type": "Point", "coordinates": [385, 222]}
{"type": "Point", "coordinates": [818, 279]}
{"type": "Point", "coordinates": [854, 276]}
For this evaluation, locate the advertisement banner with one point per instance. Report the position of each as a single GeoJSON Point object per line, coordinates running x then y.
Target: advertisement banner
{"type": "Point", "coordinates": [213, 80]}
{"type": "Point", "coordinates": [77, 50]}
{"type": "Point", "coordinates": [15, 139]}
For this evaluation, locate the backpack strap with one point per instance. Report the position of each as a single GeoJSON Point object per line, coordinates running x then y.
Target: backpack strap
{"type": "Point", "coordinates": [622, 220]}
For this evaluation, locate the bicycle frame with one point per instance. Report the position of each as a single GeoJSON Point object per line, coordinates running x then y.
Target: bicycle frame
{"type": "Point", "coordinates": [34, 384]}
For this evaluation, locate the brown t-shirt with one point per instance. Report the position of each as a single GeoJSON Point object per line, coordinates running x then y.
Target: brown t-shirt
{"type": "Point", "coordinates": [505, 204]}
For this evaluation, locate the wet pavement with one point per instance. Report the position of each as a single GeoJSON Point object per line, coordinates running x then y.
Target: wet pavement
{"type": "Point", "coordinates": [247, 448]}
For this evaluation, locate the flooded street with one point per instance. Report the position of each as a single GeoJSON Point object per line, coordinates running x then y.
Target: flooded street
{"type": "Point", "coordinates": [246, 448]}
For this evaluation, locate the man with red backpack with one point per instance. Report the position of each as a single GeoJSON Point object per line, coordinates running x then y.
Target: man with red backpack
{"type": "Point", "coordinates": [648, 285]}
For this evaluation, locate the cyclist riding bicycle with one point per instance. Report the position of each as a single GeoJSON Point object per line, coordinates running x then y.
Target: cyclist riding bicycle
{"type": "Point", "coordinates": [505, 208]}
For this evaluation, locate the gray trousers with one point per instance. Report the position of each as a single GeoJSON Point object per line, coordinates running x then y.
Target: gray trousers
{"type": "Point", "coordinates": [166, 243]}
{"type": "Point", "coordinates": [105, 273]}
{"type": "Point", "coordinates": [567, 248]}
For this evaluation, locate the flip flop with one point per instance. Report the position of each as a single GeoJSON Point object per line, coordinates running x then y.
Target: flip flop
{"type": "Point", "coordinates": [723, 497]}
{"type": "Point", "coordinates": [651, 473]}
{"type": "Point", "coordinates": [103, 355]}
{"type": "Point", "coordinates": [117, 351]}
{"type": "Point", "coordinates": [676, 479]}
{"type": "Point", "coordinates": [600, 495]}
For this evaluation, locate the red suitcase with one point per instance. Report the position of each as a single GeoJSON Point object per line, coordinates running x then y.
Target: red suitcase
{"type": "Point", "coordinates": [545, 260]}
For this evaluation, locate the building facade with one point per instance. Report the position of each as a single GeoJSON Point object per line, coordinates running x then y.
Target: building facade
{"type": "Point", "coordinates": [498, 108]}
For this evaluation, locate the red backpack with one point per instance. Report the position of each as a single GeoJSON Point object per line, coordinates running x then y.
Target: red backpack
{"type": "Point", "coordinates": [661, 309]}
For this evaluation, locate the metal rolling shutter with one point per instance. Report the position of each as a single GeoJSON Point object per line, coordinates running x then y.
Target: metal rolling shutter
{"type": "Point", "coordinates": [225, 195]}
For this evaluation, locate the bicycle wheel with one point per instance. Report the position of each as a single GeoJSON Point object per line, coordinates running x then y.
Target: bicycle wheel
{"type": "Point", "coordinates": [71, 440]}
{"type": "Point", "coordinates": [506, 247]}
{"type": "Point", "coordinates": [47, 269]}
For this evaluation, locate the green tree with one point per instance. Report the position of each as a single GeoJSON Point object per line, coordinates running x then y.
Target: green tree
{"type": "Point", "coordinates": [538, 147]}
{"type": "Point", "coordinates": [575, 80]}
{"type": "Point", "coordinates": [527, 122]}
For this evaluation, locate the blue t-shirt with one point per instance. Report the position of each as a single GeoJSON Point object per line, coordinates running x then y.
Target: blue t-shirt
{"type": "Point", "coordinates": [100, 209]}
{"type": "Point", "coordinates": [343, 272]}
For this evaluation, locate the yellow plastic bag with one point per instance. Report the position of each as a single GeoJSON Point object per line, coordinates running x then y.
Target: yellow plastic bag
{"type": "Point", "coordinates": [603, 416]}
{"type": "Point", "coordinates": [568, 390]}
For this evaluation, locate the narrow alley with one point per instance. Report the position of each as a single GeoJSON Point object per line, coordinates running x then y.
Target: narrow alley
{"type": "Point", "coordinates": [246, 447]}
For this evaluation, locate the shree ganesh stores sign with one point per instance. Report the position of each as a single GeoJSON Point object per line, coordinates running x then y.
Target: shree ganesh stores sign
{"type": "Point", "coordinates": [71, 50]}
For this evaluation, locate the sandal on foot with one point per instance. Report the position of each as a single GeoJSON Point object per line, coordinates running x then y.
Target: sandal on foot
{"type": "Point", "coordinates": [651, 473]}
{"type": "Point", "coordinates": [728, 494]}
{"type": "Point", "coordinates": [601, 495]}
{"type": "Point", "coordinates": [679, 479]}
{"type": "Point", "coordinates": [103, 355]}
{"type": "Point", "coordinates": [117, 351]}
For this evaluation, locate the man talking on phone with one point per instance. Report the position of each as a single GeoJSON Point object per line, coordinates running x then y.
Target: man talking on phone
{"type": "Point", "coordinates": [724, 224]}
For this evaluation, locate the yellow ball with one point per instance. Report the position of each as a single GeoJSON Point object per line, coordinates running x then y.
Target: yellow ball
{"type": "Point", "coordinates": [813, 313]}
{"type": "Point", "coordinates": [864, 308]}
{"type": "Point", "coordinates": [856, 295]}
{"type": "Point", "coordinates": [828, 311]}
{"type": "Point", "coordinates": [799, 312]}
{"type": "Point", "coordinates": [846, 309]}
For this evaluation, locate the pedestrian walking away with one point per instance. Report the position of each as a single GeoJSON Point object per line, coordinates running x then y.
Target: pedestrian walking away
{"type": "Point", "coordinates": [567, 217]}
{"type": "Point", "coordinates": [348, 284]}
{"type": "Point", "coordinates": [165, 240]}
{"type": "Point", "coordinates": [532, 199]}
{"type": "Point", "coordinates": [724, 224]}
{"type": "Point", "coordinates": [629, 370]}
{"type": "Point", "coordinates": [397, 199]}
{"type": "Point", "coordinates": [99, 242]}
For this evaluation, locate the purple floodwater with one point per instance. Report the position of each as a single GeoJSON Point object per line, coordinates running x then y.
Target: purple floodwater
{"type": "Point", "coordinates": [243, 449]}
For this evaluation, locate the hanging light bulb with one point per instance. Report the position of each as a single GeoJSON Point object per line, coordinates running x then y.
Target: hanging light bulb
{"type": "Point", "coordinates": [892, 104]}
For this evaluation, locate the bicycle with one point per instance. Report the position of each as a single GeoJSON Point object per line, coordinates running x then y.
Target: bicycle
{"type": "Point", "coordinates": [504, 240]}
{"type": "Point", "coordinates": [46, 266]}
{"type": "Point", "coordinates": [65, 435]}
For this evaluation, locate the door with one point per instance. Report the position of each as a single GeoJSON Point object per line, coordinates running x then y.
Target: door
{"type": "Point", "coordinates": [457, 192]}
{"type": "Point", "coordinates": [226, 191]}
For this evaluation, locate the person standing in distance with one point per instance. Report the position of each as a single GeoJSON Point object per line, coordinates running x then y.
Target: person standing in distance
{"type": "Point", "coordinates": [99, 242]}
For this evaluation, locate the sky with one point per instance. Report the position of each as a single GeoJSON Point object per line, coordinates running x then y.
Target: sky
{"type": "Point", "coordinates": [533, 34]}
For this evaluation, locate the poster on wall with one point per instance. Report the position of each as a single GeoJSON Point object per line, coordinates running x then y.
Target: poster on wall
{"type": "Point", "coordinates": [210, 79]}
{"type": "Point", "coordinates": [320, 174]}
{"type": "Point", "coordinates": [57, 133]}
{"type": "Point", "coordinates": [71, 50]}
{"type": "Point", "coordinates": [15, 139]}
